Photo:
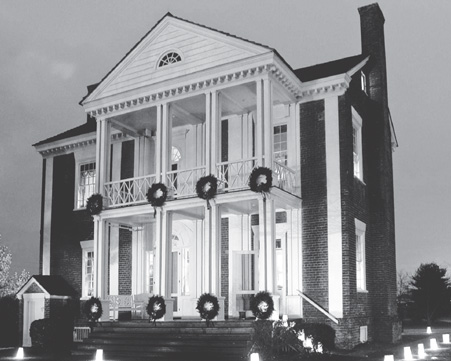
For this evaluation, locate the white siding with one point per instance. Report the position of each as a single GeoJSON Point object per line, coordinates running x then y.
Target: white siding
{"type": "Point", "coordinates": [198, 53]}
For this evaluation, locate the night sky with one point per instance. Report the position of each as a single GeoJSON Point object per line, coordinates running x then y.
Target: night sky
{"type": "Point", "coordinates": [51, 50]}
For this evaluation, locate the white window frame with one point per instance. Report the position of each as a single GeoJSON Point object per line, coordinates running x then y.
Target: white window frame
{"type": "Point", "coordinates": [357, 152]}
{"type": "Point", "coordinates": [363, 82]}
{"type": "Point", "coordinates": [78, 179]}
{"type": "Point", "coordinates": [160, 58]}
{"type": "Point", "coordinates": [285, 162]}
{"type": "Point", "coordinates": [86, 247]}
{"type": "Point", "coordinates": [360, 230]}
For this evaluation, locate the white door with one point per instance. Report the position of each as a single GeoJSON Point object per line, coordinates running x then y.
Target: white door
{"type": "Point", "coordinates": [33, 309]}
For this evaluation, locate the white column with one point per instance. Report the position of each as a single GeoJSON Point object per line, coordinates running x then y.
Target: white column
{"type": "Point", "coordinates": [268, 124]}
{"type": "Point", "coordinates": [138, 261]}
{"type": "Point", "coordinates": [206, 251]}
{"type": "Point", "coordinates": [334, 237]}
{"type": "Point", "coordinates": [159, 137]}
{"type": "Point", "coordinates": [267, 251]}
{"type": "Point", "coordinates": [215, 129]}
{"type": "Point", "coordinates": [47, 216]}
{"type": "Point", "coordinates": [166, 254]}
{"type": "Point", "coordinates": [102, 153]}
{"type": "Point", "coordinates": [259, 123]}
{"type": "Point", "coordinates": [114, 260]}
{"type": "Point", "coordinates": [166, 141]}
{"type": "Point", "coordinates": [208, 125]}
{"type": "Point", "coordinates": [163, 247]}
{"type": "Point", "coordinates": [101, 257]}
{"type": "Point", "coordinates": [157, 252]}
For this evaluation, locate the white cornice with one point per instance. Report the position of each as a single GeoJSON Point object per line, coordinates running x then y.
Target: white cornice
{"type": "Point", "coordinates": [70, 144]}
{"type": "Point", "coordinates": [226, 75]}
{"type": "Point", "coordinates": [321, 88]}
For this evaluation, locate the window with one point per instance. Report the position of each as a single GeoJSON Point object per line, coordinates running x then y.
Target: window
{"type": "Point", "coordinates": [280, 144]}
{"type": "Point", "coordinates": [363, 334]}
{"type": "Point", "coordinates": [357, 145]}
{"type": "Point", "coordinates": [169, 58]}
{"type": "Point", "coordinates": [363, 82]}
{"type": "Point", "coordinates": [150, 272]}
{"type": "Point", "coordinates": [360, 229]}
{"type": "Point", "coordinates": [88, 270]}
{"type": "Point", "coordinates": [86, 183]}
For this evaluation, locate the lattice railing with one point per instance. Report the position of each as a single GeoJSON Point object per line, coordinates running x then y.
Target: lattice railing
{"type": "Point", "coordinates": [235, 175]}
{"type": "Point", "coordinates": [284, 177]}
{"type": "Point", "coordinates": [128, 191]}
{"type": "Point", "coordinates": [182, 183]}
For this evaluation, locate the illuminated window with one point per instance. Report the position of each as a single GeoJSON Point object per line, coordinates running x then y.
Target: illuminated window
{"type": "Point", "coordinates": [363, 82]}
{"type": "Point", "coordinates": [357, 145]}
{"type": "Point", "coordinates": [280, 144]}
{"type": "Point", "coordinates": [360, 229]}
{"type": "Point", "coordinates": [88, 269]}
{"type": "Point", "coordinates": [169, 58]}
{"type": "Point", "coordinates": [86, 183]}
{"type": "Point", "coordinates": [150, 272]}
{"type": "Point", "coordinates": [175, 156]}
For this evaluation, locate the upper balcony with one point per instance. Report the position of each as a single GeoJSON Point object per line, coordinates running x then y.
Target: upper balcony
{"type": "Point", "coordinates": [232, 176]}
{"type": "Point", "coordinates": [225, 132]}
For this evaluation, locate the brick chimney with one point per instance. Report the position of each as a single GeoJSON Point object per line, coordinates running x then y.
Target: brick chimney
{"type": "Point", "coordinates": [373, 43]}
{"type": "Point", "coordinates": [381, 221]}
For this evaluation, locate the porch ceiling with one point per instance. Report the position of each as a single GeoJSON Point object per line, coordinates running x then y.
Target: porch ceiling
{"type": "Point", "coordinates": [237, 99]}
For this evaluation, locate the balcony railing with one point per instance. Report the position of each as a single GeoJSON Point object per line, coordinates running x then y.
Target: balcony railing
{"type": "Point", "coordinates": [235, 175]}
{"type": "Point", "coordinates": [182, 183]}
{"type": "Point", "coordinates": [128, 191]}
{"type": "Point", "coordinates": [284, 177]}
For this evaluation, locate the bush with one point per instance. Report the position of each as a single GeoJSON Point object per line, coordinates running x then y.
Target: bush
{"type": "Point", "coordinates": [52, 334]}
{"type": "Point", "coordinates": [320, 332]}
{"type": "Point", "coordinates": [9, 324]}
{"type": "Point", "coordinates": [279, 341]}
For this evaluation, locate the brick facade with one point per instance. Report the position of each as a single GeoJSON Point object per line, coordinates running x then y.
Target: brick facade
{"type": "Point", "coordinates": [69, 227]}
{"type": "Point", "coordinates": [125, 262]}
{"type": "Point", "coordinates": [225, 263]}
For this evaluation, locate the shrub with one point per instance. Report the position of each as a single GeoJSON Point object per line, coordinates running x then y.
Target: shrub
{"type": "Point", "coordinates": [9, 324]}
{"type": "Point", "coordinates": [52, 334]}
{"type": "Point", "coordinates": [279, 341]}
{"type": "Point", "coordinates": [320, 332]}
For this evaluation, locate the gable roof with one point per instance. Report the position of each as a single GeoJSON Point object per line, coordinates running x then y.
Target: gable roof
{"type": "Point", "coordinates": [88, 127]}
{"type": "Point", "coordinates": [92, 88]}
{"type": "Point", "coordinates": [53, 285]}
{"type": "Point", "coordinates": [330, 68]}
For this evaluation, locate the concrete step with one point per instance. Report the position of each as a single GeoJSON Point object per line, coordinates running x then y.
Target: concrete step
{"type": "Point", "coordinates": [175, 340]}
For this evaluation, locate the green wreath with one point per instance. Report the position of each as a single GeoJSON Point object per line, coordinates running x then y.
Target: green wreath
{"type": "Point", "coordinates": [93, 309]}
{"type": "Point", "coordinates": [94, 205]}
{"type": "Point", "coordinates": [156, 308]}
{"type": "Point", "coordinates": [260, 180]}
{"type": "Point", "coordinates": [208, 307]}
{"type": "Point", "coordinates": [207, 187]}
{"type": "Point", "coordinates": [157, 194]}
{"type": "Point", "coordinates": [262, 305]}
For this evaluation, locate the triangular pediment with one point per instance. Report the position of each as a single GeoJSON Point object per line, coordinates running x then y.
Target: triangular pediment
{"type": "Point", "coordinates": [199, 47]}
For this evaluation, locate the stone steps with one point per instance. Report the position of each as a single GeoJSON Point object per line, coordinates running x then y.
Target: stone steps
{"type": "Point", "coordinates": [169, 341]}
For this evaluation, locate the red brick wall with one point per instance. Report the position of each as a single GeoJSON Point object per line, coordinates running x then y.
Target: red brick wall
{"type": "Point", "coordinates": [314, 207]}
{"type": "Point", "coordinates": [225, 263]}
{"type": "Point", "coordinates": [69, 227]}
{"type": "Point", "coordinates": [125, 262]}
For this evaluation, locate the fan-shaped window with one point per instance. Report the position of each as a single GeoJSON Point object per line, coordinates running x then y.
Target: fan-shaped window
{"type": "Point", "coordinates": [175, 156]}
{"type": "Point", "coordinates": [169, 58]}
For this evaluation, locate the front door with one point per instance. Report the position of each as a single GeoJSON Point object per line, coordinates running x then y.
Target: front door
{"type": "Point", "coordinates": [182, 269]}
{"type": "Point", "coordinates": [33, 309]}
